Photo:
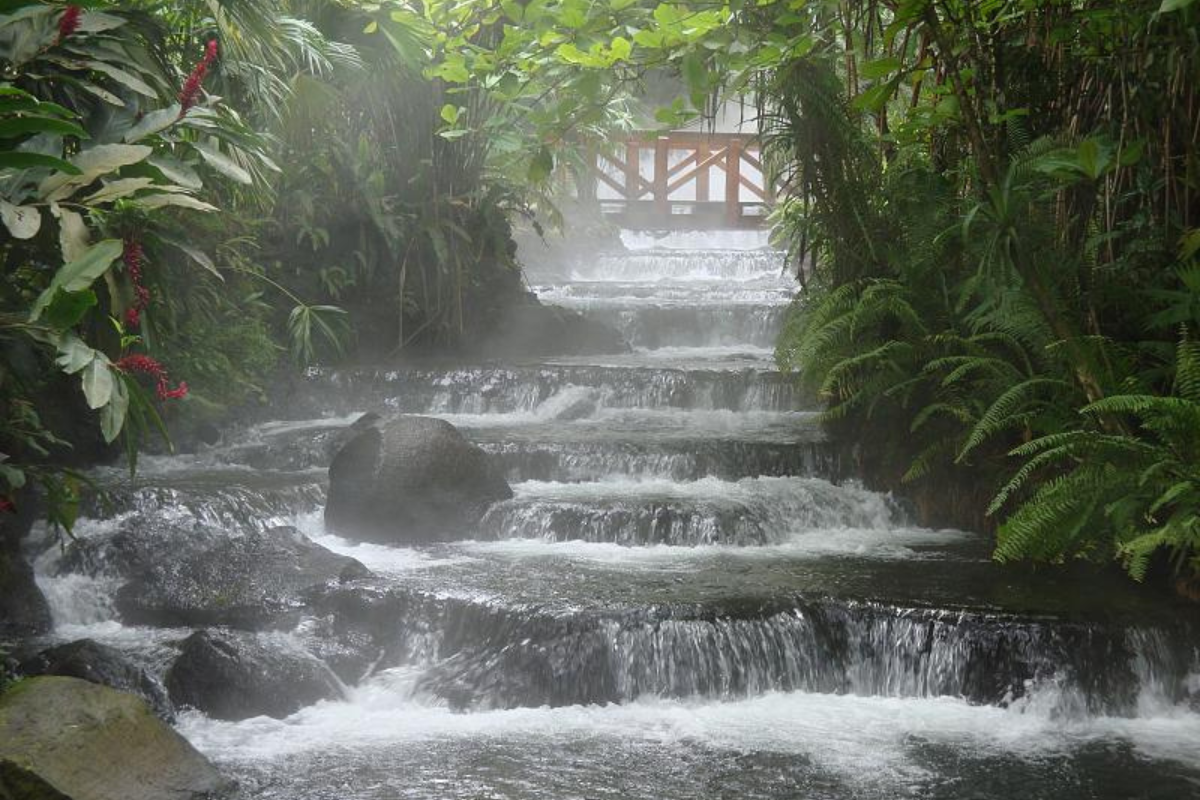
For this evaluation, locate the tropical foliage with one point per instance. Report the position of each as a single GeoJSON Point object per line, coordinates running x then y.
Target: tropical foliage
{"type": "Point", "coordinates": [992, 206]}
{"type": "Point", "coordinates": [1000, 203]}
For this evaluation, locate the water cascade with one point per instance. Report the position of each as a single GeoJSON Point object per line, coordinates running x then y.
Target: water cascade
{"type": "Point", "coordinates": [686, 597]}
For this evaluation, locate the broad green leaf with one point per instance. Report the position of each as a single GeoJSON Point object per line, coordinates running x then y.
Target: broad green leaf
{"type": "Point", "coordinates": [73, 354]}
{"type": "Point", "coordinates": [79, 274]}
{"type": "Point", "coordinates": [14, 477]}
{"type": "Point", "coordinates": [92, 163]}
{"type": "Point", "coordinates": [152, 201]}
{"type": "Point", "coordinates": [621, 48]}
{"type": "Point", "coordinates": [66, 309]}
{"type": "Point", "coordinates": [13, 127]}
{"type": "Point", "coordinates": [695, 73]}
{"type": "Point", "coordinates": [112, 416]}
{"type": "Point", "coordinates": [177, 171]}
{"type": "Point", "coordinates": [97, 381]}
{"type": "Point", "coordinates": [97, 22]}
{"type": "Point", "coordinates": [15, 160]}
{"type": "Point", "coordinates": [222, 163]}
{"type": "Point", "coordinates": [72, 233]}
{"type": "Point", "coordinates": [450, 113]}
{"type": "Point", "coordinates": [119, 75]}
{"type": "Point", "coordinates": [872, 70]}
{"type": "Point", "coordinates": [154, 122]}
{"type": "Point", "coordinates": [1173, 5]}
{"type": "Point", "coordinates": [118, 189]}
{"type": "Point", "coordinates": [23, 222]}
{"type": "Point", "coordinates": [875, 98]}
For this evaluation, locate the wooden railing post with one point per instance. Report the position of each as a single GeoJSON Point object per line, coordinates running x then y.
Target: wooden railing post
{"type": "Point", "coordinates": [662, 150]}
{"type": "Point", "coordinates": [733, 183]}
{"type": "Point", "coordinates": [701, 174]}
{"type": "Point", "coordinates": [633, 172]}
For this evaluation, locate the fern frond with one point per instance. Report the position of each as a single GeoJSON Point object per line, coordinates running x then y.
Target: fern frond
{"type": "Point", "coordinates": [1000, 414]}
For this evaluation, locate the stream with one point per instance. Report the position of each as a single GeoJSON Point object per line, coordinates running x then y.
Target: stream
{"type": "Point", "coordinates": [687, 597]}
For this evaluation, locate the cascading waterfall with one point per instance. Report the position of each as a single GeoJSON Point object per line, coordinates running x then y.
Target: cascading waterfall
{"type": "Point", "coordinates": [686, 597]}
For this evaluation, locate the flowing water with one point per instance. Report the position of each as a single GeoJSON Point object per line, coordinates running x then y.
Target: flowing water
{"type": "Point", "coordinates": [686, 597]}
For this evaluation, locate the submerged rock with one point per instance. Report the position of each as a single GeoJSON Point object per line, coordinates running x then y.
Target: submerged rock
{"type": "Point", "coordinates": [411, 479]}
{"type": "Point", "coordinates": [234, 676]}
{"type": "Point", "coordinates": [179, 574]}
{"type": "Point", "coordinates": [69, 738]}
{"type": "Point", "coordinates": [98, 663]}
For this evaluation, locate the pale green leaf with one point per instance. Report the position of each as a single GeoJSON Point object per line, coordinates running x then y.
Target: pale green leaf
{"type": "Point", "coordinates": [118, 189]}
{"type": "Point", "coordinates": [154, 122]}
{"type": "Point", "coordinates": [23, 222]}
{"type": "Point", "coordinates": [112, 416]}
{"type": "Point", "coordinates": [79, 274]}
{"type": "Point", "coordinates": [92, 163]}
{"type": "Point", "coordinates": [97, 381]}
{"type": "Point", "coordinates": [222, 163]}
{"type": "Point", "coordinates": [152, 201]}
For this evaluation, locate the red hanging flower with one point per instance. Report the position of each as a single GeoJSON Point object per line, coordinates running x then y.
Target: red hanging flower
{"type": "Point", "coordinates": [6, 506]}
{"type": "Point", "coordinates": [146, 365]}
{"type": "Point", "coordinates": [68, 23]}
{"type": "Point", "coordinates": [132, 255]}
{"type": "Point", "coordinates": [191, 87]}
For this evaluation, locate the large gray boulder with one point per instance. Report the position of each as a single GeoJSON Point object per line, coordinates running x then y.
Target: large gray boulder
{"type": "Point", "coordinates": [234, 676]}
{"type": "Point", "coordinates": [411, 479]}
{"type": "Point", "coordinates": [68, 738]}
{"type": "Point", "coordinates": [23, 608]}
{"type": "Point", "coordinates": [190, 574]}
{"type": "Point", "coordinates": [98, 663]}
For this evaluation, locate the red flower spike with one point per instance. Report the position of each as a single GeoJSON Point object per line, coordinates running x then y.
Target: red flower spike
{"type": "Point", "coordinates": [191, 87]}
{"type": "Point", "coordinates": [149, 366]}
{"type": "Point", "coordinates": [132, 256]}
{"type": "Point", "coordinates": [68, 23]}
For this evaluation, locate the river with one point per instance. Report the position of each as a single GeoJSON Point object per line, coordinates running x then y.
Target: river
{"type": "Point", "coordinates": [686, 598]}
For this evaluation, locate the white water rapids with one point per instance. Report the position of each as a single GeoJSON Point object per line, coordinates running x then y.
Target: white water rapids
{"type": "Point", "coordinates": [762, 628]}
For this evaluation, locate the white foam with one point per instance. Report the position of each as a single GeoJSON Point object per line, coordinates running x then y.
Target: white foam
{"type": "Point", "coordinates": [867, 737]}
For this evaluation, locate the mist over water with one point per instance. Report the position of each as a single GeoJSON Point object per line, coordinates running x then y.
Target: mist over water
{"type": "Point", "coordinates": [686, 597]}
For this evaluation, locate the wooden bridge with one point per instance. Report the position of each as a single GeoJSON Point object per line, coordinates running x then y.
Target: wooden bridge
{"type": "Point", "coordinates": [682, 181]}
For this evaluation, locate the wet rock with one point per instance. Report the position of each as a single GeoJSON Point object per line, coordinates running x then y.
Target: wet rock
{"type": "Point", "coordinates": [190, 574]}
{"type": "Point", "coordinates": [235, 676]}
{"type": "Point", "coordinates": [352, 653]}
{"type": "Point", "coordinates": [533, 329]}
{"type": "Point", "coordinates": [411, 479]}
{"type": "Point", "coordinates": [23, 608]}
{"type": "Point", "coordinates": [69, 738]}
{"type": "Point", "coordinates": [97, 663]}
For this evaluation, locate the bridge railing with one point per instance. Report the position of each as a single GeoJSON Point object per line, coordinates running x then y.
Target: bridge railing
{"type": "Point", "coordinates": [683, 180]}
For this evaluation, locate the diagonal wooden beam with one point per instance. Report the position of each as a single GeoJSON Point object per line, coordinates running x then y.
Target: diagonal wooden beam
{"type": "Point", "coordinates": [717, 157]}
{"type": "Point", "coordinates": [644, 186]}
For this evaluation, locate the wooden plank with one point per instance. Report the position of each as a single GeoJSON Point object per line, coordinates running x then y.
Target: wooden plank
{"type": "Point", "coordinates": [716, 157]}
{"type": "Point", "coordinates": [641, 187]}
{"type": "Point", "coordinates": [691, 159]}
{"type": "Point", "coordinates": [754, 188]}
{"type": "Point", "coordinates": [611, 181]}
{"type": "Point", "coordinates": [733, 183]}
{"type": "Point", "coordinates": [633, 177]}
{"type": "Point", "coordinates": [662, 153]}
{"type": "Point", "coordinates": [701, 172]}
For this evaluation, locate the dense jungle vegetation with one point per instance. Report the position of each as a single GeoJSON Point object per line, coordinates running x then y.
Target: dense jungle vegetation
{"type": "Point", "coordinates": [992, 206]}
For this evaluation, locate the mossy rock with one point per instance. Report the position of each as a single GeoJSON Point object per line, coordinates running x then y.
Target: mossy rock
{"type": "Point", "coordinates": [68, 738]}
